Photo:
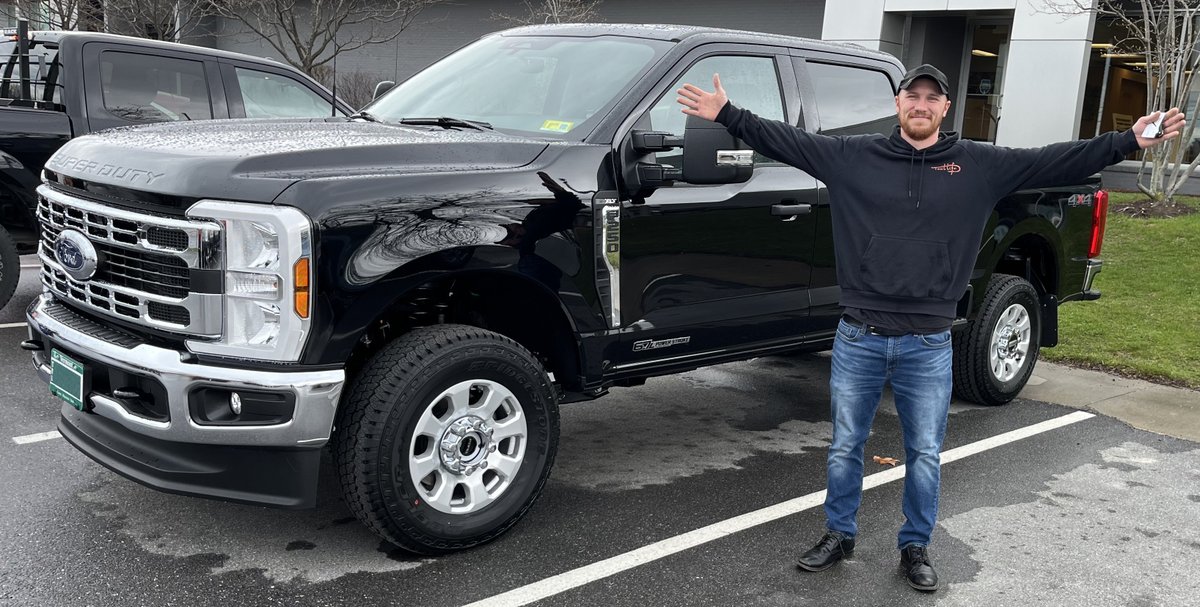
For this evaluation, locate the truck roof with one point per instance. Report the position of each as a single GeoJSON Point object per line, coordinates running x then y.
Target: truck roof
{"type": "Point", "coordinates": [679, 33]}
{"type": "Point", "coordinates": [62, 37]}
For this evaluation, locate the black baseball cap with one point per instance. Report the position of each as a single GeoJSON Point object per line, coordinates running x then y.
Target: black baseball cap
{"type": "Point", "coordinates": [926, 71]}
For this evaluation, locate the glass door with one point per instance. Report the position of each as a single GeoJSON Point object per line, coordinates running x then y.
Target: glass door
{"type": "Point", "coordinates": [981, 99]}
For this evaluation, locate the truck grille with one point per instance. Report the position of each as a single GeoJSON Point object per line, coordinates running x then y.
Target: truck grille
{"type": "Point", "coordinates": [144, 264]}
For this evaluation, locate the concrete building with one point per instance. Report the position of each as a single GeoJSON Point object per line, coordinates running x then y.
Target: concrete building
{"type": "Point", "coordinates": [1020, 76]}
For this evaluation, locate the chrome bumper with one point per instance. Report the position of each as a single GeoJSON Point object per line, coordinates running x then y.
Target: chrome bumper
{"type": "Point", "coordinates": [1089, 273]}
{"type": "Point", "coordinates": [317, 392]}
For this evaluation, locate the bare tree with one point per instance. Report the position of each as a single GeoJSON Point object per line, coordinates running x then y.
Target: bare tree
{"type": "Point", "coordinates": [553, 11]}
{"type": "Point", "coordinates": [310, 33]}
{"type": "Point", "coordinates": [355, 87]}
{"type": "Point", "coordinates": [86, 15]}
{"type": "Point", "coordinates": [155, 19]}
{"type": "Point", "coordinates": [1166, 32]}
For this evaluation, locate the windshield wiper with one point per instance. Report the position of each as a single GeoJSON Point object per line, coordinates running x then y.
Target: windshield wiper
{"type": "Point", "coordinates": [447, 122]}
{"type": "Point", "coordinates": [365, 115]}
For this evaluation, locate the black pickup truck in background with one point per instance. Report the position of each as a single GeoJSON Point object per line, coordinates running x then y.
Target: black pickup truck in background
{"type": "Point", "coordinates": [528, 222]}
{"type": "Point", "coordinates": [59, 85]}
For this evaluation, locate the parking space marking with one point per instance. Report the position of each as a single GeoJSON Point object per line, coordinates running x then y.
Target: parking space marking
{"type": "Point", "coordinates": [36, 438]}
{"type": "Point", "coordinates": [12, 325]}
{"type": "Point", "coordinates": [575, 578]}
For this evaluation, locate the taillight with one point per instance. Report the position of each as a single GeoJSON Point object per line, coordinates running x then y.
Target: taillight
{"type": "Point", "coordinates": [1099, 217]}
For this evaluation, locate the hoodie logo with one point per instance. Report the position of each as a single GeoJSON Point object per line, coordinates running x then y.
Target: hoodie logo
{"type": "Point", "coordinates": [949, 167]}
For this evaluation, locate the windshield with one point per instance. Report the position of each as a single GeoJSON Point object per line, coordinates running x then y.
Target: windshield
{"type": "Point", "coordinates": [540, 86]}
{"type": "Point", "coordinates": [42, 58]}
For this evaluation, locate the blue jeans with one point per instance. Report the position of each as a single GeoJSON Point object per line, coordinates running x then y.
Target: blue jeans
{"type": "Point", "coordinates": [920, 371]}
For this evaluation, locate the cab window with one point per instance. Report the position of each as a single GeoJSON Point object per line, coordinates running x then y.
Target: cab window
{"type": "Point", "coordinates": [145, 88]}
{"type": "Point", "coordinates": [751, 83]}
{"type": "Point", "coordinates": [852, 100]}
{"type": "Point", "coordinates": [267, 95]}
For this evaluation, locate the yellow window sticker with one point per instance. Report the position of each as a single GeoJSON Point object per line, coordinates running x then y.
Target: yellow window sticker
{"type": "Point", "coordinates": [558, 126]}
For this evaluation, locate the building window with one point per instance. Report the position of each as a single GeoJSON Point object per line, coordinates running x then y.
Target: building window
{"type": "Point", "coordinates": [985, 80]}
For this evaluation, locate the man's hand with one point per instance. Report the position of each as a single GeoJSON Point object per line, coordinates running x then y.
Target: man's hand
{"type": "Point", "coordinates": [697, 102]}
{"type": "Point", "coordinates": [1172, 126]}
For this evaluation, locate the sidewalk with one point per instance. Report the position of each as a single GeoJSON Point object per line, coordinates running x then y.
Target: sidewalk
{"type": "Point", "coordinates": [1123, 177]}
{"type": "Point", "coordinates": [1141, 404]}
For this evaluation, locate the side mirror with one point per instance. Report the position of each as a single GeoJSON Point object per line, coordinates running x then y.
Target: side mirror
{"type": "Point", "coordinates": [712, 156]}
{"type": "Point", "coordinates": [382, 88]}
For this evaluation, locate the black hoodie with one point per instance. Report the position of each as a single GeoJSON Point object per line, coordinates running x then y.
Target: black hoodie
{"type": "Point", "coordinates": [907, 223]}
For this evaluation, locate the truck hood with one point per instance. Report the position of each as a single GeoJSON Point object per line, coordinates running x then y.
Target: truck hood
{"type": "Point", "coordinates": [255, 160]}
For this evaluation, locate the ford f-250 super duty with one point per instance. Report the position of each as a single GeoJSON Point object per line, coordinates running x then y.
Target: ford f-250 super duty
{"type": "Point", "coordinates": [525, 223]}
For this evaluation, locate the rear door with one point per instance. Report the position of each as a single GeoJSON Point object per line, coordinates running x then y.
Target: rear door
{"type": "Point", "coordinates": [841, 98]}
{"type": "Point", "coordinates": [708, 269]}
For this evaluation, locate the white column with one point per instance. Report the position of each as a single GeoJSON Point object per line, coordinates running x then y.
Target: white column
{"type": "Point", "coordinates": [856, 21]}
{"type": "Point", "coordinates": [1044, 78]}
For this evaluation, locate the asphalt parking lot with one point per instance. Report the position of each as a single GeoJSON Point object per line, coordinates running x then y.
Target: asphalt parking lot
{"type": "Point", "coordinates": [697, 489]}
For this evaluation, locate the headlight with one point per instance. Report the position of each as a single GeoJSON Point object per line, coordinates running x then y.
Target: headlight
{"type": "Point", "coordinates": [268, 252]}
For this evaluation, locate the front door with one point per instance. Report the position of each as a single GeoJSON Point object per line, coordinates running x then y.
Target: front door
{"type": "Point", "coordinates": [707, 269]}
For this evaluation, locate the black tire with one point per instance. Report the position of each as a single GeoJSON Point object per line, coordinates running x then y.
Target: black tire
{"type": "Point", "coordinates": [10, 267]}
{"type": "Point", "coordinates": [378, 443]}
{"type": "Point", "coordinates": [975, 378]}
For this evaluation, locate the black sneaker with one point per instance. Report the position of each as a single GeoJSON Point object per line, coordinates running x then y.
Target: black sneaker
{"type": "Point", "coordinates": [914, 563]}
{"type": "Point", "coordinates": [828, 551]}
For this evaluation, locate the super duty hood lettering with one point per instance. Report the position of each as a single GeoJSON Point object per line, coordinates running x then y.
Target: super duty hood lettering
{"type": "Point", "coordinates": [84, 166]}
{"type": "Point", "coordinates": [255, 160]}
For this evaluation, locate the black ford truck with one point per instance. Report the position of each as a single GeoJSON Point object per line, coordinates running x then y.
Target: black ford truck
{"type": "Point", "coordinates": [528, 222]}
{"type": "Point", "coordinates": [58, 85]}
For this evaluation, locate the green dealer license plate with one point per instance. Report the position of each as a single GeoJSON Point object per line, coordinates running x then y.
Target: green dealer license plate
{"type": "Point", "coordinates": [67, 378]}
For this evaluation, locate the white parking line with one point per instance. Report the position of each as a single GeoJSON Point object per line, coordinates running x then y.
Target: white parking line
{"type": "Point", "coordinates": [12, 325]}
{"type": "Point", "coordinates": [601, 569]}
{"type": "Point", "coordinates": [36, 438]}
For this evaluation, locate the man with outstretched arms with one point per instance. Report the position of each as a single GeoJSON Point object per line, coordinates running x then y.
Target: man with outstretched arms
{"type": "Point", "coordinates": [908, 215]}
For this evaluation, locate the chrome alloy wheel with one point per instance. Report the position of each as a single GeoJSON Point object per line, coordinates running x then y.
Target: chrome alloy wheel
{"type": "Point", "coordinates": [1010, 343]}
{"type": "Point", "coordinates": [468, 446]}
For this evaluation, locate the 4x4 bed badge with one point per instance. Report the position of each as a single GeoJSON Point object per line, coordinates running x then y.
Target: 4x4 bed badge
{"type": "Point", "coordinates": [650, 344]}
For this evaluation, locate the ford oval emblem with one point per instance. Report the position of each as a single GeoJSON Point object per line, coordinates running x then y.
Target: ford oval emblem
{"type": "Point", "coordinates": [76, 254]}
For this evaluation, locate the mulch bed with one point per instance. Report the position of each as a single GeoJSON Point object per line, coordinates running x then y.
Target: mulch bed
{"type": "Point", "coordinates": [1148, 209]}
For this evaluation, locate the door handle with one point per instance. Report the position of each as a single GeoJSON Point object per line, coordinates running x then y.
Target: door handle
{"type": "Point", "coordinates": [790, 210]}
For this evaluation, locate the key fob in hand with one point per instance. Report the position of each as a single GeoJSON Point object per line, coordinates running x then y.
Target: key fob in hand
{"type": "Point", "coordinates": [1154, 130]}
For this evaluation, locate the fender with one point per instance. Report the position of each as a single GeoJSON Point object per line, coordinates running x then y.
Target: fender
{"type": "Point", "coordinates": [1013, 221]}
{"type": "Point", "coordinates": [531, 226]}
{"type": "Point", "coordinates": [18, 201]}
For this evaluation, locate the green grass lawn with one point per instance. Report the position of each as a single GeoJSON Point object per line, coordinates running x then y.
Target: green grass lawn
{"type": "Point", "coordinates": [1147, 322]}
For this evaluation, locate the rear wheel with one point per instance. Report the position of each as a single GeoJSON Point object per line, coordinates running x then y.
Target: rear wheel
{"type": "Point", "coordinates": [446, 438]}
{"type": "Point", "coordinates": [995, 355]}
{"type": "Point", "coordinates": [10, 266]}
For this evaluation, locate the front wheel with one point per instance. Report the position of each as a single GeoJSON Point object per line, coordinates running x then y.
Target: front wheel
{"type": "Point", "coordinates": [995, 354]}
{"type": "Point", "coordinates": [446, 438]}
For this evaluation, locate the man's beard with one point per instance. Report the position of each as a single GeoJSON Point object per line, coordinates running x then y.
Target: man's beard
{"type": "Point", "coordinates": [924, 131]}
